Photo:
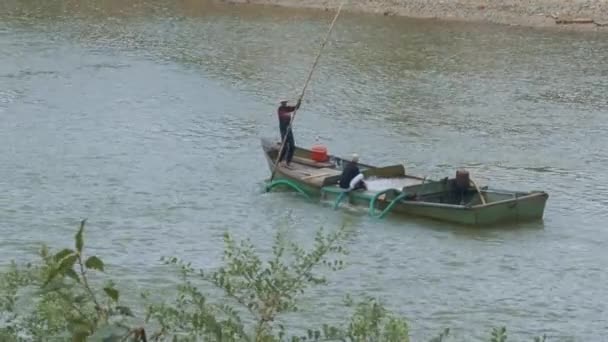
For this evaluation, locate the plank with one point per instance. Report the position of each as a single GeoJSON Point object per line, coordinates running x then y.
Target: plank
{"type": "Point", "coordinates": [313, 163]}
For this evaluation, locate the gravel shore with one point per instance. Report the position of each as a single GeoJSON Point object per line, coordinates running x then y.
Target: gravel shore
{"type": "Point", "coordinates": [567, 14]}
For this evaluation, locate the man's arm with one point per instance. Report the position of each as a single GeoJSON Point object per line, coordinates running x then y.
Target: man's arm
{"type": "Point", "coordinates": [293, 108]}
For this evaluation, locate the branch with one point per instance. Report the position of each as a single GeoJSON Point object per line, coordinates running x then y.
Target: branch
{"type": "Point", "coordinates": [70, 301]}
{"type": "Point", "coordinates": [86, 283]}
{"type": "Point", "coordinates": [237, 298]}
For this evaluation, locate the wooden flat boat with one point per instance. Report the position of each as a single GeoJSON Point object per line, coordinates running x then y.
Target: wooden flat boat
{"type": "Point", "coordinates": [391, 190]}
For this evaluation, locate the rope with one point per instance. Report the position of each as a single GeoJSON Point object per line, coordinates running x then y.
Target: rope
{"type": "Point", "coordinates": [289, 184]}
{"type": "Point", "coordinates": [331, 27]}
{"type": "Point", "coordinates": [372, 203]}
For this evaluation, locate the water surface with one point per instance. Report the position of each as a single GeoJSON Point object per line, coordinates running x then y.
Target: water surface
{"type": "Point", "coordinates": [146, 118]}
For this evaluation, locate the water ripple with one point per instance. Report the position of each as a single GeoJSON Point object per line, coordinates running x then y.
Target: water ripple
{"type": "Point", "coordinates": [149, 125]}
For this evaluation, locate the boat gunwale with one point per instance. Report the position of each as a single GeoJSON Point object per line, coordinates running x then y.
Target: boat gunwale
{"type": "Point", "coordinates": [529, 195]}
{"type": "Point", "coordinates": [457, 206]}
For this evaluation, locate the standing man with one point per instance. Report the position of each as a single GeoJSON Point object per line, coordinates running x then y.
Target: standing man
{"type": "Point", "coordinates": [285, 112]}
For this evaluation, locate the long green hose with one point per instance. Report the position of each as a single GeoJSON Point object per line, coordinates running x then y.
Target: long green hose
{"type": "Point", "coordinates": [343, 194]}
{"type": "Point", "coordinates": [287, 183]}
{"type": "Point", "coordinates": [372, 203]}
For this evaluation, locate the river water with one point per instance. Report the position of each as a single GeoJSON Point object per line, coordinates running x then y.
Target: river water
{"type": "Point", "coordinates": [145, 118]}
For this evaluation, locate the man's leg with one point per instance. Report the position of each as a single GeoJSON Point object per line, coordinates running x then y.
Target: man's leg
{"type": "Point", "coordinates": [360, 186]}
{"type": "Point", "coordinates": [292, 147]}
{"type": "Point", "coordinates": [356, 182]}
{"type": "Point", "coordinates": [284, 152]}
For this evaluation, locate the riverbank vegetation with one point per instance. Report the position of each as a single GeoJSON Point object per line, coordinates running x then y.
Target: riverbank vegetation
{"type": "Point", "coordinates": [67, 295]}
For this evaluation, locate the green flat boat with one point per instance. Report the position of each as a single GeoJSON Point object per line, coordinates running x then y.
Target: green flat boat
{"type": "Point", "coordinates": [392, 191]}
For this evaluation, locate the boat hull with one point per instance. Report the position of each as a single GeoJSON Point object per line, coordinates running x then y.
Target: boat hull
{"type": "Point", "coordinates": [431, 199]}
{"type": "Point", "coordinates": [310, 189]}
{"type": "Point", "coordinates": [527, 208]}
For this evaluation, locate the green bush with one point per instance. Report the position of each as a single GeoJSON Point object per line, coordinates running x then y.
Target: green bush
{"type": "Point", "coordinates": [55, 299]}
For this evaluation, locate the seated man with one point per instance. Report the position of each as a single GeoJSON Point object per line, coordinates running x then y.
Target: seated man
{"type": "Point", "coordinates": [352, 178]}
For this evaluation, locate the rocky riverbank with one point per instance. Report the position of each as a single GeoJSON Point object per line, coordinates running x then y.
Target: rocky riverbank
{"type": "Point", "coordinates": [566, 14]}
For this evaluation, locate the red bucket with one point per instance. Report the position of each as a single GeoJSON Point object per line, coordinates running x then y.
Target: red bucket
{"type": "Point", "coordinates": [319, 153]}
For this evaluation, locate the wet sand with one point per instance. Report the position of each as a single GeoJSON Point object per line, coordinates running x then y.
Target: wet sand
{"type": "Point", "coordinates": [568, 15]}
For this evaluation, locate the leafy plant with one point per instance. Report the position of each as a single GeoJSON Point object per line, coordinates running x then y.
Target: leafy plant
{"type": "Point", "coordinates": [58, 299]}
{"type": "Point", "coordinates": [65, 302]}
{"type": "Point", "coordinates": [259, 289]}
{"type": "Point", "coordinates": [499, 335]}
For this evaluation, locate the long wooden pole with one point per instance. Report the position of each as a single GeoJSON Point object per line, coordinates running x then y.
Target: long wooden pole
{"type": "Point", "coordinates": [483, 200]}
{"type": "Point", "coordinates": [331, 27]}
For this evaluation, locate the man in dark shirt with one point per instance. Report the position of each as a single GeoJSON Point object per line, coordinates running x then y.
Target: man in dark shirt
{"type": "Point", "coordinates": [285, 112]}
{"type": "Point", "coordinates": [352, 178]}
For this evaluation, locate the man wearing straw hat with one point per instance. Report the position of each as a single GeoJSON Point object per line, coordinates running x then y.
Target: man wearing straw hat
{"type": "Point", "coordinates": [285, 112]}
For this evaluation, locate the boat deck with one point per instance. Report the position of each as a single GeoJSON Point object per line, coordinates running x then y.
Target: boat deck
{"type": "Point", "coordinates": [316, 175]}
{"type": "Point", "coordinates": [375, 185]}
{"type": "Point", "coordinates": [311, 174]}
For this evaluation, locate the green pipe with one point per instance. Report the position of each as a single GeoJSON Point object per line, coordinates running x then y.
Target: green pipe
{"type": "Point", "coordinates": [339, 199]}
{"type": "Point", "coordinates": [289, 184]}
{"type": "Point", "coordinates": [372, 203]}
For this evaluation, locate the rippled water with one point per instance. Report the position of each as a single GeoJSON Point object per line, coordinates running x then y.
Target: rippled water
{"type": "Point", "coordinates": [146, 119]}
